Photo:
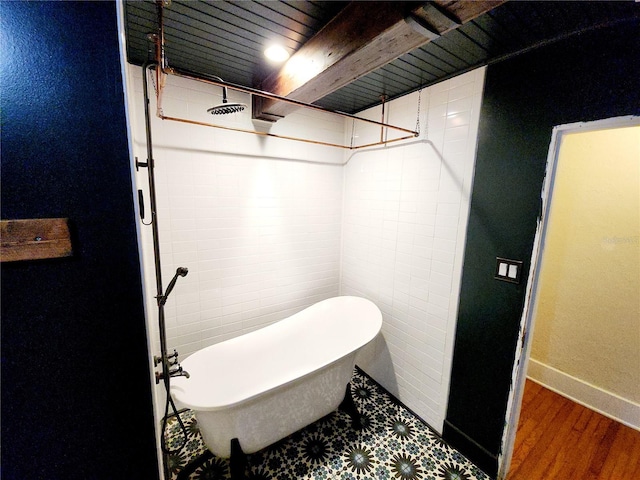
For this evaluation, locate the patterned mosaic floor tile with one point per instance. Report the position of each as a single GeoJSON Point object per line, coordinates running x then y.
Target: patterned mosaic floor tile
{"type": "Point", "coordinates": [417, 453]}
{"type": "Point", "coordinates": [393, 444]}
{"type": "Point", "coordinates": [312, 453]}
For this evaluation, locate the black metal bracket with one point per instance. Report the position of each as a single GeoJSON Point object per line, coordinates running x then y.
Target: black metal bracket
{"type": "Point", "coordinates": [141, 164]}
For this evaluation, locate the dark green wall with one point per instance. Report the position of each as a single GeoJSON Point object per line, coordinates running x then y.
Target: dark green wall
{"type": "Point", "coordinates": [76, 393]}
{"type": "Point", "coordinates": [590, 76]}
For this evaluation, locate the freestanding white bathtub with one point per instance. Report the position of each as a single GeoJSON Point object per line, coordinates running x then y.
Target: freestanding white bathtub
{"type": "Point", "coordinates": [263, 386]}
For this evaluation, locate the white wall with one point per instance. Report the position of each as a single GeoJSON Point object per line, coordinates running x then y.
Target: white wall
{"type": "Point", "coordinates": [255, 221]}
{"type": "Point", "coordinates": [586, 341]}
{"type": "Point", "coordinates": [405, 217]}
{"type": "Point", "coordinates": [267, 226]}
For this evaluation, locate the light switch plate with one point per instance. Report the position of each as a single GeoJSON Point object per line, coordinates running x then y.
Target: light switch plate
{"type": "Point", "coordinates": [508, 270]}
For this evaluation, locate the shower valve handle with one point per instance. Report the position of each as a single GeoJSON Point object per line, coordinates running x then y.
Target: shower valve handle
{"type": "Point", "coordinates": [157, 359]}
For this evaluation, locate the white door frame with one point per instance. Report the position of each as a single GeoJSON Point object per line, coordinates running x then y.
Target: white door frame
{"type": "Point", "coordinates": [521, 360]}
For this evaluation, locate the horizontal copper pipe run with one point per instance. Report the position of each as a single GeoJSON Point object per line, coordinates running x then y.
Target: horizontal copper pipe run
{"type": "Point", "coordinates": [285, 137]}
{"type": "Point", "coordinates": [243, 130]}
{"type": "Point", "coordinates": [272, 96]}
{"type": "Point", "coordinates": [382, 143]}
{"type": "Point", "coordinates": [253, 91]}
{"type": "Point", "coordinates": [161, 68]}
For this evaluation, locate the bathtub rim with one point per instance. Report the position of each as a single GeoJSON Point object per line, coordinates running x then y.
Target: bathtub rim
{"type": "Point", "coordinates": [180, 384]}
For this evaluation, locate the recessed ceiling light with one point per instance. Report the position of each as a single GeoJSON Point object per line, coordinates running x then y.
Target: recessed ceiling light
{"type": "Point", "coordinates": [276, 53]}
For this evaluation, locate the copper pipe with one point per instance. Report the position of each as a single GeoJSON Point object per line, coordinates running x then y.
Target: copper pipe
{"type": "Point", "coordinates": [255, 132]}
{"type": "Point", "coordinates": [381, 143]}
{"type": "Point", "coordinates": [273, 96]}
{"type": "Point", "coordinates": [163, 69]}
{"type": "Point", "coordinates": [383, 98]}
{"type": "Point", "coordinates": [274, 135]}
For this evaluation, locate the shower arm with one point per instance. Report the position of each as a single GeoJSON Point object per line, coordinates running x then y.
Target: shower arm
{"type": "Point", "coordinates": [224, 88]}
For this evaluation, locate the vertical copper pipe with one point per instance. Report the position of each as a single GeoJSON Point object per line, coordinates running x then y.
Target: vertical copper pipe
{"type": "Point", "coordinates": [383, 98]}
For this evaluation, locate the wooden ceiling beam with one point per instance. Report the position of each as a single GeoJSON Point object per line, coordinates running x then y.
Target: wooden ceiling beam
{"type": "Point", "coordinates": [361, 38]}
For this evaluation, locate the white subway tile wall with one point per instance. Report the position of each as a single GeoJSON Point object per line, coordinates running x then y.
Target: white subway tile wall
{"type": "Point", "coordinates": [404, 223]}
{"type": "Point", "coordinates": [256, 220]}
{"type": "Point", "coordinates": [267, 226]}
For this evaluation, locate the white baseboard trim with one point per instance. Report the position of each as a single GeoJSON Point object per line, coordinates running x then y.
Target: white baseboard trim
{"type": "Point", "coordinates": [607, 403]}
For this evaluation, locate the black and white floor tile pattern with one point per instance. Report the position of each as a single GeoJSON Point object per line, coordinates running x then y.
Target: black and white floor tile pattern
{"type": "Point", "coordinates": [392, 445]}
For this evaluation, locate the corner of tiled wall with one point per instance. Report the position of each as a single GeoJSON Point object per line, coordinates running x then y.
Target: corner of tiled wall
{"type": "Point", "coordinates": [256, 220]}
{"type": "Point", "coordinates": [269, 226]}
{"type": "Point", "coordinates": [404, 222]}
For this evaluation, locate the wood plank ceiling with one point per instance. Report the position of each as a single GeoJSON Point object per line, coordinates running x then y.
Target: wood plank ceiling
{"type": "Point", "coordinates": [227, 39]}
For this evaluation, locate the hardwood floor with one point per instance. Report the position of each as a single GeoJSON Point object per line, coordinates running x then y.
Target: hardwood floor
{"type": "Point", "coordinates": [559, 439]}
